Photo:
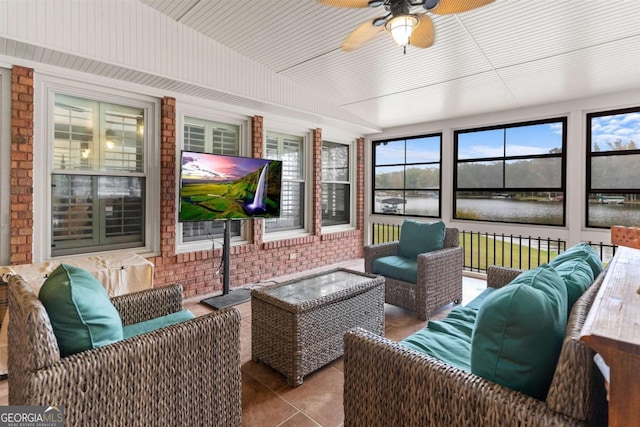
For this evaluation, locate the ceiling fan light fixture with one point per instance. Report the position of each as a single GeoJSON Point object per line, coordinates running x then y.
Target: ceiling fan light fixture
{"type": "Point", "coordinates": [401, 27]}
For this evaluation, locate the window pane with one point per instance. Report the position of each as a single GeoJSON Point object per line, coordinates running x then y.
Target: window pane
{"type": "Point", "coordinates": [290, 150]}
{"type": "Point", "coordinates": [389, 202]}
{"type": "Point", "coordinates": [423, 150]}
{"type": "Point", "coordinates": [480, 175]}
{"type": "Point", "coordinates": [291, 213]}
{"type": "Point", "coordinates": [335, 162]}
{"type": "Point", "coordinates": [534, 139]}
{"type": "Point", "coordinates": [293, 160]}
{"type": "Point", "coordinates": [98, 136]}
{"type": "Point", "coordinates": [74, 132]}
{"type": "Point", "coordinates": [96, 211]}
{"type": "Point", "coordinates": [615, 172]}
{"type": "Point", "coordinates": [481, 144]}
{"type": "Point", "coordinates": [422, 177]}
{"type": "Point", "coordinates": [607, 210]}
{"type": "Point", "coordinates": [335, 204]}
{"type": "Point", "coordinates": [194, 137]}
{"type": "Point", "coordinates": [425, 203]}
{"type": "Point", "coordinates": [121, 200]}
{"type": "Point", "coordinates": [225, 140]}
{"type": "Point", "coordinates": [123, 143]}
{"type": "Point", "coordinates": [534, 173]}
{"type": "Point", "coordinates": [390, 152]}
{"type": "Point", "coordinates": [389, 177]}
{"type": "Point", "coordinates": [615, 132]}
{"type": "Point", "coordinates": [525, 207]}
{"type": "Point", "coordinates": [72, 205]}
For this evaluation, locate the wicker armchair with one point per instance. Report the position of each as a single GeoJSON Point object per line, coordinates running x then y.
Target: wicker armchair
{"type": "Point", "coordinates": [185, 374]}
{"type": "Point", "coordinates": [439, 276]}
{"type": "Point", "coordinates": [388, 384]}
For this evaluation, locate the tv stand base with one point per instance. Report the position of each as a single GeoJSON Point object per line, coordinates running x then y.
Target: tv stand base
{"type": "Point", "coordinates": [235, 297]}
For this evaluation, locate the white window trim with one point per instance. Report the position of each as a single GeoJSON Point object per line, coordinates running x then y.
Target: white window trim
{"type": "Point", "coordinates": [352, 188]}
{"type": "Point", "coordinates": [5, 166]}
{"type": "Point", "coordinates": [46, 86]}
{"type": "Point", "coordinates": [307, 137]}
{"type": "Point", "coordinates": [244, 123]}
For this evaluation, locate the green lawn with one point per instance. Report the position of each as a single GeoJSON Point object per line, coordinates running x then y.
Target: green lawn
{"type": "Point", "coordinates": [483, 250]}
{"type": "Point", "coordinates": [490, 251]}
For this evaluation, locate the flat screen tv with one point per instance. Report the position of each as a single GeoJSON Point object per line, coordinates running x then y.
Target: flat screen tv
{"type": "Point", "coordinates": [215, 186]}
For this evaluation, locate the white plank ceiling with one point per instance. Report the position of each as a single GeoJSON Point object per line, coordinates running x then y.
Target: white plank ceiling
{"type": "Point", "coordinates": [509, 54]}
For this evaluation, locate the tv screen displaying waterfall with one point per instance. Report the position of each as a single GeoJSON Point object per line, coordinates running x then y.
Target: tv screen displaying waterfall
{"type": "Point", "coordinates": [215, 186]}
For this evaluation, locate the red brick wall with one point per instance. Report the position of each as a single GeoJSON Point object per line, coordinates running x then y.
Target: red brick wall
{"type": "Point", "coordinates": [250, 263]}
{"type": "Point", "coordinates": [21, 207]}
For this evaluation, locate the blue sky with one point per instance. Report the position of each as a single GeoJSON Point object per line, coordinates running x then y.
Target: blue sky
{"type": "Point", "coordinates": [625, 127]}
{"type": "Point", "coordinates": [419, 150]}
{"type": "Point", "coordinates": [521, 141]}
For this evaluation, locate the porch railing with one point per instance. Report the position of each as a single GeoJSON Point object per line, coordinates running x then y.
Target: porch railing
{"type": "Point", "coordinates": [508, 250]}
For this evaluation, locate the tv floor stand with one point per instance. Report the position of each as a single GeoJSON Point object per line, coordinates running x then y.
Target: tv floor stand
{"type": "Point", "coordinates": [228, 297]}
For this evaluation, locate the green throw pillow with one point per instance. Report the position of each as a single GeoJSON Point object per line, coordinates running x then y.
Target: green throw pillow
{"type": "Point", "coordinates": [81, 313]}
{"type": "Point", "coordinates": [519, 331]}
{"type": "Point", "coordinates": [580, 252]}
{"type": "Point", "coordinates": [420, 237]}
{"type": "Point", "coordinates": [578, 276]}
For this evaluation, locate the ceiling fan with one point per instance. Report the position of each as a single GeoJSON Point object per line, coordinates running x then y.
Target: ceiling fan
{"type": "Point", "coordinates": [406, 20]}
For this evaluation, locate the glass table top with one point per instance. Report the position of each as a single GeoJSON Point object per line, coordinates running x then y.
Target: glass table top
{"type": "Point", "coordinates": [314, 287]}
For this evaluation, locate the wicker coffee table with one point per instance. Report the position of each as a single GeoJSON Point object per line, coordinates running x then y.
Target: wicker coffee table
{"type": "Point", "coordinates": [298, 326]}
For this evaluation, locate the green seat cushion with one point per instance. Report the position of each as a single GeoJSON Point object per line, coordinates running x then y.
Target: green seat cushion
{"type": "Point", "coordinates": [140, 328]}
{"type": "Point", "coordinates": [580, 252]}
{"type": "Point", "coordinates": [396, 267]}
{"type": "Point", "coordinates": [449, 339]}
{"type": "Point", "coordinates": [577, 276]}
{"type": "Point", "coordinates": [81, 313]}
{"type": "Point", "coordinates": [450, 349]}
{"type": "Point", "coordinates": [519, 331]}
{"type": "Point", "coordinates": [459, 323]}
{"type": "Point", "coordinates": [420, 237]}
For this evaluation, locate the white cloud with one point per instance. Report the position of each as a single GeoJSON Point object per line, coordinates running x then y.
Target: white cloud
{"type": "Point", "coordinates": [625, 127]}
{"type": "Point", "coordinates": [556, 128]}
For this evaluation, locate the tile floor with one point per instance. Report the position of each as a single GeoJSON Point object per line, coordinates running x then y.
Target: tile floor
{"type": "Point", "coordinates": [267, 400]}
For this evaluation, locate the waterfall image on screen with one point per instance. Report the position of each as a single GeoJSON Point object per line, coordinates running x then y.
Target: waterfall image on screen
{"type": "Point", "coordinates": [228, 187]}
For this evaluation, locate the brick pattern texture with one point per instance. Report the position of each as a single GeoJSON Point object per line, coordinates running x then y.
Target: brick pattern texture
{"type": "Point", "coordinates": [197, 271]}
{"type": "Point", "coordinates": [21, 196]}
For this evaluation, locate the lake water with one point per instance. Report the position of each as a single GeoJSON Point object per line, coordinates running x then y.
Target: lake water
{"type": "Point", "coordinates": [601, 215]}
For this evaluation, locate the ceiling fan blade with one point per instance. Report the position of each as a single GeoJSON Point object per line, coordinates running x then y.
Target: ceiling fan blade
{"type": "Point", "coordinates": [345, 3]}
{"type": "Point", "coordinates": [424, 33]}
{"type": "Point", "coordinates": [447, 7]}
{"type": "Point", "coordinates": [364, 33]}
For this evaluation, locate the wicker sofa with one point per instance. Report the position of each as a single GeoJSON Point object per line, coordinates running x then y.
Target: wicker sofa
{"type": "Point", "coordinates": [184, 374]}
{"type": "Point", "coordinates": [439, 276]}
{"type": "Point", "coordinates": [388, 384]}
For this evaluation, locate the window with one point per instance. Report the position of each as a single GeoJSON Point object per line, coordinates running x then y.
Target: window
{"type": "Point", "coordinates": [210, 137]}
{"type": "Point", "coordinates": [613, 176]}
{"type": "Point", "coordinates": [98, 181]}
{"type": "Point", "coordinates": [512, 173]}
{"type": "Point", "coordinates": [289, 149]}
{"type": "Point", "coordinates": [336, 184]}
{"type": "Point", "coordinates": [407, 176]}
